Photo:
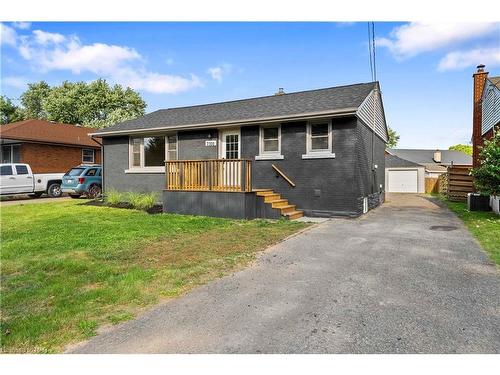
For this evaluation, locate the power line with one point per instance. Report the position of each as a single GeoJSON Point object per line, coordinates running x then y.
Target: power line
{"type": "Point", "coordinates": [371, 50]}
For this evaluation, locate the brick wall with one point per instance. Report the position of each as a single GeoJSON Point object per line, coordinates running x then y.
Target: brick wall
{"type": "Point", "coordinates": [477, 138]}
{"type": "Point", "coordinates": [44, 158]}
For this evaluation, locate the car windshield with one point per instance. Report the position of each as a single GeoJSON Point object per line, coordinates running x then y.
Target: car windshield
{"type": "Point", "coordinates": [75, 172]}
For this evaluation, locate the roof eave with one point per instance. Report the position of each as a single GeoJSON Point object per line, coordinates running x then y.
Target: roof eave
{"type": "Point", "coordinates": [303, 116]}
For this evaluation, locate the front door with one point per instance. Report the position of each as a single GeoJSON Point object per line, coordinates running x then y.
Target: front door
{"type": "Point", "coordinates": [230, 149]}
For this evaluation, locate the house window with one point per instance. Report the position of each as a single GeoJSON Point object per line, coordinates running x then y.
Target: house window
{"type": "Point", "coordinates": [11, 154]}
{"type": "Point", "coordinates": [88, 155]}
{"type": "Point", "coordinates": [172, 147]}
{"type": "Point", "coordinates": [147, 154]}
{"type": "Point", "coordinates": [319, 140]}
{"type": "Point", "coordinates": [270, 142]}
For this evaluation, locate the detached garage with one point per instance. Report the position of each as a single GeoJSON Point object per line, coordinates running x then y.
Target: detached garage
{"type": "Point", "coordinates": [403, 176]}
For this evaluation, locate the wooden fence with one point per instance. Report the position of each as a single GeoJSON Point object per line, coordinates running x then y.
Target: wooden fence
{"type": "Point", "coordinates": [431, 185]}
{"type": "Point", "coordinates": [460, 183]}
{"type": "Point", "coordinates": [209, 175]}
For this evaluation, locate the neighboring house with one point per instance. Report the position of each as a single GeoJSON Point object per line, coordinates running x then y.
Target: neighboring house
{"type": "Point", "coordinates": [403, 176]}
{"type": "Point", "coordinates": [320, 152]}
{"type": "Point", "coordinates": [433, 162]}
{"type": "Point", "coordinates": [486, 110]}
{"type": "Point", "coordinates": [48, 147]}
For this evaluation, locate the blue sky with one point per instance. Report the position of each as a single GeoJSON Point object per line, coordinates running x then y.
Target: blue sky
{"type": "Point", "coordinates": [425, 69]}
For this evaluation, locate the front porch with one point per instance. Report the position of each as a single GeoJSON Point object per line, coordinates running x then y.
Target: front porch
{"type": "Point", "coordinates": [221, 188]}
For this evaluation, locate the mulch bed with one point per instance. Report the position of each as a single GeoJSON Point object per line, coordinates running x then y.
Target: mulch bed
{"type": "Point", "coordinates": [156, 209]}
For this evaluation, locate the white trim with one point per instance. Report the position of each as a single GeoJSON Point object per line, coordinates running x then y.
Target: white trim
{"type": "Point", "coordinates": [222, 142]}
{"type": "Point", "coordinates": [269, 155]}
{"type": "Point", "coordinates": [323, 153]}
{"type": "Point", "coordinates": [93, 155]}
{"type": "Point", "coordinates": [145, 170]}
{"type": "Point", "coordinates": [302, 116]}
{"type": "Point", "coordinates": [176, 146]}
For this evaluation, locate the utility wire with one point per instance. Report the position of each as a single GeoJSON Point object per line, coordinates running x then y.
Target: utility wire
{"type": "Point", "coordinates": [371, 50]}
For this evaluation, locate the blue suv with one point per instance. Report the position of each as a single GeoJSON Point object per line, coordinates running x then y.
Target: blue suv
{"type": "Point", "coordinates": [83, 180]}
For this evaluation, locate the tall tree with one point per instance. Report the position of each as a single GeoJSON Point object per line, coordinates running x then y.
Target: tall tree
{"type": "Point", "coordinates": [9, 112]}
{"type": "Point", "coordinates": [32, 100]}
{"type": "Point", "coordinates": [393, 138]}
{"type": "Point", "coordinates": [466, 149]}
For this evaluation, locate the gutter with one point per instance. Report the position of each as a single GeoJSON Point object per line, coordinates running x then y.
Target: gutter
{"type": "Point", "coordinates": [304, 116]}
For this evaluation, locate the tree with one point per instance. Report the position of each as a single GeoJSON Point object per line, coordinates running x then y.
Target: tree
{"type": "Point", "coordinates": [466, 149]}
{"type": "Point", "coordinates": [9, 112]}
{"type": "Point", "coordinates": [32, 100]}
{"type": "Point", "coordinates": [487, 175]}
{"type": "Point", "coordinates": [393, 138]}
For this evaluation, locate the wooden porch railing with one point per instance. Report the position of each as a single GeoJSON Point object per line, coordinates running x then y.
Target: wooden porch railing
{"type": "Point", "coordinates": [208, 175]}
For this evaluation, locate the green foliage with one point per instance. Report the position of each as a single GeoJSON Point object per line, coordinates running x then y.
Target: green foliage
{"type": "Point", "coordinates": [466, 149]}
{"type": "Point", "coordinates": [114, 197]}
{"type": "Point", "coordinates": [487, 175]}
{"type": "Point", "coordinates": [393, 138]}
{"type": "Point", "coordinates": [95, 104]}
{"type": "Point", "coordinates": [142, 201]}
{"type": "Point", "coordinates": [9, 112]}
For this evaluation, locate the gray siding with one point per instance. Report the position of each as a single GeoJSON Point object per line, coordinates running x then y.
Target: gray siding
{"type": "Point", "coordinates": [116, 160]}
{"type": "Point", "coordinates": [491, 107]}
{"type": "Point", "coordinates": [371, 111]}
{"type": "Point", "coordinates": [192, 145]}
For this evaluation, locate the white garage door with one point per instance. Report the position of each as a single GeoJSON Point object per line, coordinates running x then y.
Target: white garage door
{"type": "Point", "coordinates": [403, 181]}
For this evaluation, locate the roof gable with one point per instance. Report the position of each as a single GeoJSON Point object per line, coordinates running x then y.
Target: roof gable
{"type": "Point", "coordinates": [321, 101]}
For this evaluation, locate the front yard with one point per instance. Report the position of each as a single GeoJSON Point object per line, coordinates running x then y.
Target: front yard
{"type": "Point", "coordinates": [485, 226]}
{"type": "Point", "coordinates": [69, 268]}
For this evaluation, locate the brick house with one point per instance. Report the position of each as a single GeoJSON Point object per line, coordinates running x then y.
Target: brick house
{"type": "Point", "coordinates": [48, 147]}
{"type": "Point", "coordinates": [486, 111]}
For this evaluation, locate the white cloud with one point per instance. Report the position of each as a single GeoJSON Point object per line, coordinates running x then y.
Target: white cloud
{"type": "Point", "coordinates": [416, 37]}
{"type": "Point", "coordinates": [464, 59]}
{"type": "Point", "coordinates": [120, 64]}
{"type": "Point", "coordinates": [43, 37]}
{"type": "Point", "coordinates": [22, 25]}
{"type": "Point", "coordinates": [8, 35]}
{"type": "Point", "coordinates": [218, 72]}
{"type": "Point", "coordinates": [17, 82]}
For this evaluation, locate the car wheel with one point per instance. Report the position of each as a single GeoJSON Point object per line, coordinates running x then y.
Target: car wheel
{"type": "Point", "coordinates": [94, 191]}
{"type": "Point", "coordinates": [75, 196]}
{"type": "Point", "coordinates": [38, 194]}
{"type": "Point", "coordinates": [54, 190]}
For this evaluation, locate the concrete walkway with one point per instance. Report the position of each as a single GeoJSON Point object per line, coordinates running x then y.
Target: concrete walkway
{"type": "Point", "coordinates": [405, 278]}
{"type": "Point", "coordinates": [28, 200]}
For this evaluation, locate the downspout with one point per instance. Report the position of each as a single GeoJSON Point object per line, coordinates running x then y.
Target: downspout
{"type": "Point", "coordinates": [102, 161]}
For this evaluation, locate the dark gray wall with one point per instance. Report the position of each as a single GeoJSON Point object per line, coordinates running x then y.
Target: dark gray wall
{"type": "Point", "coordinates": [324, 187]}
{"type": "Point", "coordinates": [116, 160]}
{"type": "Point", "coordinates": [192, 145]}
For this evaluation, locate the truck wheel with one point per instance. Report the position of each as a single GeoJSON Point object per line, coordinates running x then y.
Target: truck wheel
{"type": "Point", "coordinates": [94, 191]}
{"type": "Point", "coordinates": [38, 194]}
{"type": "Point", "coordinates": [75, 196]}
{"type": "Point", "coordinates": [54, 190]}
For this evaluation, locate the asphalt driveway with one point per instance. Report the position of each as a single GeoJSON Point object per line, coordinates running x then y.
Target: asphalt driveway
{"type": "Point", "coordinates": [406, 278]}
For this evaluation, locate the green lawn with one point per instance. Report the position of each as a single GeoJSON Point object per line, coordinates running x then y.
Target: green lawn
{"type": "Point", "coordinates": [485, 226]}
{"type": "Point", "coordinates": [69, 268]}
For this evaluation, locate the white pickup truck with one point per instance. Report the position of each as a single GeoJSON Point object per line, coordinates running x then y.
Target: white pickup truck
{"type": "Point", "coordinates": [17, 178]}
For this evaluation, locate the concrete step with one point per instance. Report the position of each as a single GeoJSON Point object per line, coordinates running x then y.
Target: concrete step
{"type": "Point", "coordinates": [294, 215]}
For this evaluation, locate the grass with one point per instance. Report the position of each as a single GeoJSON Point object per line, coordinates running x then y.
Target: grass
{"type": "Point", "coordinates": [485, 226]}
{"type": "Point", "coordinates": [140, 201]}
{"type": "Point", "coordinates": [68, 268]}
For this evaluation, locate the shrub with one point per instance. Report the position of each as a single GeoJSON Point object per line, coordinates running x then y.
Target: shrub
{"type": "Point", "coordinates": [114, 197]}
{"type": "Point", "coordinates": [142, 201]}
{"type": "Point", "coordinates": [487, 175]}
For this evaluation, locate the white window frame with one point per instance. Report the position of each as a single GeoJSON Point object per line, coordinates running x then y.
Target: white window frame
{"type": "Point", "coordinates": [142, 168]}
{"type": "Point", "coordinates": [176, 146]}
{"type": "Point", "coordinates": [93, 156]}
{"type": "Point", "coordinates": [269, 155]}
{"type": "Point", "coordinates": [318, 154]}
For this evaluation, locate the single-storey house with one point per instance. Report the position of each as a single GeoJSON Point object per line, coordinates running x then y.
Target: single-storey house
{"type": "Point", "coordinates": [318, 152]}
{"type": "Point", "coordinates": [407, 169]}
{"type": "Point", "coordinates": [48, 147]}
{"type": "Point", "coordinates": [486, 110]}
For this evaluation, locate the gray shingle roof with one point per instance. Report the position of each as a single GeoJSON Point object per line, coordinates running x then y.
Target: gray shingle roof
{"type": "Point", "coordinates": [495, 81]}
{"type": "Point", "coordinates": [426, 156]}
{"type": "Point", "coordinates": [392, 161]}
{"type": "Point", "coordinates": [292, 104]}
